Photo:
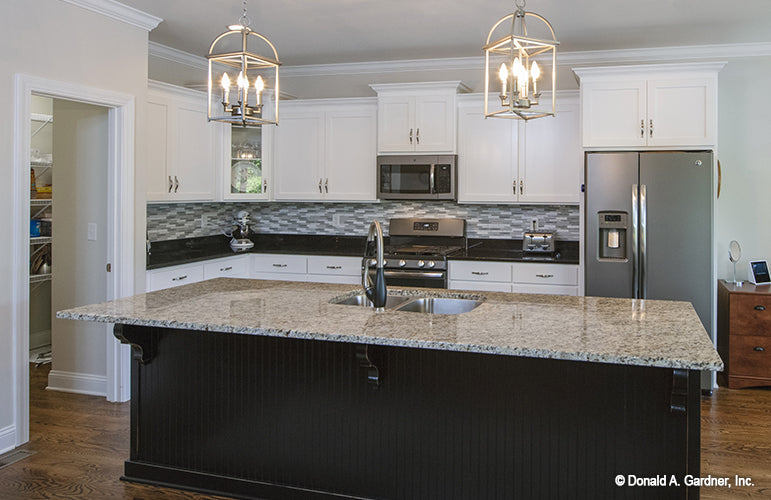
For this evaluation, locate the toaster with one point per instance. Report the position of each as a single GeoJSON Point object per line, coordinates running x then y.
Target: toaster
{"type": "Point", "coordinates": [541, 242]}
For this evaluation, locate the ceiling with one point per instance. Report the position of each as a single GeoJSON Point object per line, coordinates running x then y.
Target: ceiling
{"type": "Point", "coordinates": [339, 31]}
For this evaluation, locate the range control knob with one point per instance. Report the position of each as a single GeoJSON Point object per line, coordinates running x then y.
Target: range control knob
{"type": "Point", "coordinates": [421, 263]}
{"type": "Point", "coordinates": [372, 262]}
{"type": "Point", "coordinates": [385, 263]}
{"type": "Point", "coordinates": [402, 263]}
{"type": "Point", "coordinates": [431, 264]}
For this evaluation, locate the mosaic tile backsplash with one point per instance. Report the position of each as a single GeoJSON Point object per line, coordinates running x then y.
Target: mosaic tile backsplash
{"type": "Point", "coordinates": [169, 221]}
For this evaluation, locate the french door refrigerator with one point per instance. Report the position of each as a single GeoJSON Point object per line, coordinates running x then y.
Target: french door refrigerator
{"type": "Point", "coordinates": [649, 227]}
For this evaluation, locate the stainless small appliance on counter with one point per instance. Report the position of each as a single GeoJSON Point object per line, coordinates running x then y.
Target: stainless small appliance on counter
{"type": "Point", "coordinates": [538, 242]}
{"type": "Point", "coordinates": [240, 241]}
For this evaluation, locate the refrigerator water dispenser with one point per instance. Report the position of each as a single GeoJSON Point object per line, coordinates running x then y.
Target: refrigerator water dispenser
{"type": "Point", "coordinates": [612, 244]}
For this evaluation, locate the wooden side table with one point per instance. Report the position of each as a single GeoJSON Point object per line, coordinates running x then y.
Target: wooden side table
{"type": "Point", "coordinates": [744, 334]}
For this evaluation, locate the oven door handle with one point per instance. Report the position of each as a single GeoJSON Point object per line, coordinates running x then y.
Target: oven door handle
{"type": "Point", "coordinates": [413, 274]}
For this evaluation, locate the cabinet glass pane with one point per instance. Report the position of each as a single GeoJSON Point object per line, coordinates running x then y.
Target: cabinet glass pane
{"type": "Point", "coordinates": [246, 160]}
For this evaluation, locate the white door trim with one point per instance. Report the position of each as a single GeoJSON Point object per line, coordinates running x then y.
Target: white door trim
{"type": "Point", "coordinates": [120, 245]}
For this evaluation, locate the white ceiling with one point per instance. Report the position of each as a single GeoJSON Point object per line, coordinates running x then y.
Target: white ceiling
{"type": "Point", "coordinates": [339, 31]}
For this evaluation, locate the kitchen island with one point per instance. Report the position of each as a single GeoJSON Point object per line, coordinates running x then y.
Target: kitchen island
{"type": "Point", "coordinates": [266, 389]}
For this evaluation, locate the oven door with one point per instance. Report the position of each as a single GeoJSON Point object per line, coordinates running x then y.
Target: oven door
{"type": "Point", "coordinates": [422, 279]}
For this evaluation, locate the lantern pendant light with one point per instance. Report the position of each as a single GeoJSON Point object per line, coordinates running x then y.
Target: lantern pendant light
{"type": "Point", "coordinates": [511, 69]}
{"type": "Point", "coordinates": [255, 77]}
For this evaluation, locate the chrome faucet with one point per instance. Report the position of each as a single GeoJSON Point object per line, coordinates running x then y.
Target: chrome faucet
{"type": "Point", "coordinates": [376, 292]}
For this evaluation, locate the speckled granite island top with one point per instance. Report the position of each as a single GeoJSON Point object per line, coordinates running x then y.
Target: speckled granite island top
{"type": "Point", "coordinates": [620, 331]}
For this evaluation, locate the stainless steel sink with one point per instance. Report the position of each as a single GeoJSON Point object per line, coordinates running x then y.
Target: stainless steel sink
{"type": "Point", "coordinates": [392, 301]}
{"type": "Point", "coordinates": [440, 305]}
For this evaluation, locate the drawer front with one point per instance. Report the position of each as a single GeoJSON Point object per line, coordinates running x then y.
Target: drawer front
{"type": "Point", "coordinates": [544, 289]}
{"type": "Point", "coordinates": [546, 274]}
{"type": "Point", "coordinates": [750, 314]}
{"type": "Point", "coordinates": [279, 276]}
{"type": "Point", "coordinates": [174, 276]}
{"type": "Point", "coordinates": [232, 267]}
{"type": "Point", "coordinates": [278, 263]}
{"type": "Point", "coordinates": [750, 356]}
{"type": "Point", "coordinates": [480, 286]}
{"type": "Point", "coordinates": [336, 266]}
{"type": "Point", "coordinates": [468, 270]}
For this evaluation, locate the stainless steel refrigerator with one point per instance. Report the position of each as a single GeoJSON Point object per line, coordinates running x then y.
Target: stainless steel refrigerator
{"type": "Point", "coordinates": [649, 227]}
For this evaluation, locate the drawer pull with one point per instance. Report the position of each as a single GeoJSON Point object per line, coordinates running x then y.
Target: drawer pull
{"type": "Point", "coordinates": [760, 308]}
{"type": "Point", "coordinates": [544, 275]}
{"type": "Point", "coordinates": [479, 273]}
{"type": "Point", "coordinates": [179, 278]}
{"type": "Point", "coordinates": [334, 267]}
{"type": "Point", "coordinates": [222, 269]}
{"type": "Point", "coordinates": [279, 265]}
{"type": "Point", "coordinates": [759, 348]}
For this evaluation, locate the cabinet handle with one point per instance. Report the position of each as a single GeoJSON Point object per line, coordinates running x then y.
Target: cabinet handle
{"type": "Point", "coordinates": [642, 129]}
{"type": "Point", "coordinates": [226, 268]}
{"type": "Point", "coordinates": [176, 184]}
{"type": "Point", "coordinates": [319, 184]}
{"type": "Point", "coordinates": [410, 136]}
{"type": "Point", "coordinates": [514, 186]}
{"type": "Point", "coordinates": [759, 349]}
{"type": "Point", "coordinates": [171, 184]}
{"type": "Point", "coordinates": [279, 265]}
{"type": "Point", "coordinates": [417, 136]}
{"type": "Point", "coordinates": [334, 267]}
{"type": "Point", "coordinates": [179, 278]}
{"type": "Point", "coordinates": [326, 185]}
{"type": "Point", "coordinates": [521, 186]}
{"type": "Point", "coordinates": [544, 275]}
{"type": "Point", "coordinates": [650, 130]}
{"type": "Point", "coordinates": [479, 273]}
{"type": "Point", "coordinates": [264, 186]}
{"type": "Point", "coordinates": [760, 308]}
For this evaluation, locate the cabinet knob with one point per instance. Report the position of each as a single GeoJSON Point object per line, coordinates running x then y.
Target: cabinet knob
{"type": "Point", "coordinates": [760, 308]}
{"type": "Point", "coordinates": [759, 348]}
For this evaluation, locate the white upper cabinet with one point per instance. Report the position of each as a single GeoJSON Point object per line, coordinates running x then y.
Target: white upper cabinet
{"type": "Point", "coordinates": [326, 150]}
{"type": "Point", "coordinates": [512, 161]}
{"type": "Point", "coordinates": [417, 117]}
{"type": "Point", "coordinates": [182, 146]}
{"type": "Point", "coordinates": [672, 105]}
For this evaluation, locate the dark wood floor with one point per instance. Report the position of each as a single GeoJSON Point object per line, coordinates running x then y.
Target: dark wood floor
{"type": "Point", "coordinates": [81, 442]}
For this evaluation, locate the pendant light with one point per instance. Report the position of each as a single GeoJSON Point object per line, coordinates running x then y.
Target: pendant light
{"type": "Point", "coordinates": [249, 80]}
{"type": "Point", "coordinates": [514, 64]}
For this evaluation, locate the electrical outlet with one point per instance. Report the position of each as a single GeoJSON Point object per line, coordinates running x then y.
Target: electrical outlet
{"type": "Point", "coordinates": [204, 221]}
{"type": "Point", "coordinates": [91, 231]}
{"type": "Point", "coordinates": [337, 220]}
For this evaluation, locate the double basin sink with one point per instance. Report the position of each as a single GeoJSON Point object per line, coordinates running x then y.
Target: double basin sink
{"type": "Point", "coordinates": [413, 303]}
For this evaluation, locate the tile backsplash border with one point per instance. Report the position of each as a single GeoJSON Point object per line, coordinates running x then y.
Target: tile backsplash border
{"type": "Point", "coordinates": [169, 221]}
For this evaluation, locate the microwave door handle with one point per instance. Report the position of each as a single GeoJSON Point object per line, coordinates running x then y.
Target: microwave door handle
{"type": "Point", "coordinates": [431, 181]}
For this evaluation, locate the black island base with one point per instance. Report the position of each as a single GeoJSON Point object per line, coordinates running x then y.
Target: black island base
{"type": "Point", "coordinates": [253, 417]}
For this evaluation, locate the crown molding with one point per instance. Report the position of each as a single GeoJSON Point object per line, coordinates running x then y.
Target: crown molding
{"type": "Point", "coordinates": [704, 68]}
{"type": "Point", "coordinates": [593, 57]}
{"type": "Point", "coordinates": [120, 12]}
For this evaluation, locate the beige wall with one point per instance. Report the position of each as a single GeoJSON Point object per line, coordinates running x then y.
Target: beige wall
{"type": "Point", "coordinates": [59, 41]}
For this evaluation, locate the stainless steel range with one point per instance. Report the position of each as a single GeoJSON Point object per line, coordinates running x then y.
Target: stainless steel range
{"type": "Point", "coordinates": [418, 249]}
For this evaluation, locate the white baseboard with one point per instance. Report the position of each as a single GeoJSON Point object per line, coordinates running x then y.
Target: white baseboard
{"type": "Point", "coordinates": [78, 383]}
{"type": "Point", "coordinates": [7, 438]}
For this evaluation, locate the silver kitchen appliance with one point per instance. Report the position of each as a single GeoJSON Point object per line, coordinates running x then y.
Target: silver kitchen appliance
{"type": "Point", "coordinates": [240, 241]}
{"type": "Point", "coordinates": [417, 252]}
{"type": "Point", "coordinates": [538, 242]}
{"type": "Point", "coordinates": [649, 227]}
{"type": "Point", "coordinates": [417, 177]}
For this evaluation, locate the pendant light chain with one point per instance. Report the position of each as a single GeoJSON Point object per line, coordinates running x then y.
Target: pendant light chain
{"type": "Point", "coordinates": [244, 19]}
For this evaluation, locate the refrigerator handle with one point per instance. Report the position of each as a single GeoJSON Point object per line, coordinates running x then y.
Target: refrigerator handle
{"type": "Point", "coordinates": [635, 225]}
{"type": "Point", "coordinates": [643, 242]}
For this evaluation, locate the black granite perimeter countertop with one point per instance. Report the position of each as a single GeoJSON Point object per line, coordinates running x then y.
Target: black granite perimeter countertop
{"type": "Point", "coordinates": [188, 250]}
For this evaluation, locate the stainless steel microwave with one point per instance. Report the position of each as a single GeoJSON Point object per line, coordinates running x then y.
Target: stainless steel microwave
{"type": "Point", "coordinates": [417, 177]}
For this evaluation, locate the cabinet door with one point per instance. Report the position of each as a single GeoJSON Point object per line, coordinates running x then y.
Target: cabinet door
{"type": "Point", "coordinates": [246, 162]}
{"type": "Point", "coordinates": [435, 124]}
{"type": "Point", "coordinates": [351, 153]}
{"type": "Point", "coordinates": [195, 145]}
{"type": "Point", "coordinates": [298, 156]}
{"type": "Point", "coordinates": [159, 182]}
{"type": "Point", "coordinates": [487, 156]}
{"type": "Point", "coordinates": [680, 112]}
{"type": "Point", "coordinates": [552, 158]}
{"type": "Point", "coordinates": [614, 113]}
{"type": "Point", "coordinates": [396, 124]}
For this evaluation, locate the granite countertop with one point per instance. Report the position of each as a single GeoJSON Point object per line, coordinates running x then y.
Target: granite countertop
{"type": "Point", "coordinates": [188, 250]}
{"type": "Point", "coordinates": [608, 330]}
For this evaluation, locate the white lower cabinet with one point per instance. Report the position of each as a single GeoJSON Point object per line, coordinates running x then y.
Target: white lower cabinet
{"type": "Point", "coordinates": [169, 277]}
{"type": "Point", "coordinates": [552, 279]}
{"type": "Point", "coordinates": [330, 269]}
{"type": "Point", "coordinates": [229, 267]}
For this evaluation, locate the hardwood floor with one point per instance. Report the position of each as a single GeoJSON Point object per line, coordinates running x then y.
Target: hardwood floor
{"type": "Point", "coordinates": [80, 443]}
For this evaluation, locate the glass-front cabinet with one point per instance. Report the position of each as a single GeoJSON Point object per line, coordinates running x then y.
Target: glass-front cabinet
{"type": "Point", "coordinates": [248, 175]}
